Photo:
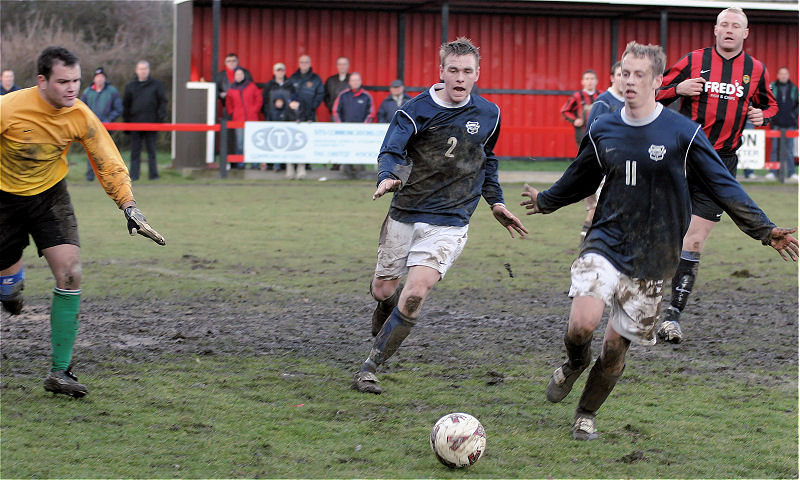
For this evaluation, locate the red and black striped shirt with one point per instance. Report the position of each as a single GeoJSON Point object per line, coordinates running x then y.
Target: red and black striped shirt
{"type": "Point", "coordinates": [578, 105]}
{"type": "Point", "coordinates": [731, 86]}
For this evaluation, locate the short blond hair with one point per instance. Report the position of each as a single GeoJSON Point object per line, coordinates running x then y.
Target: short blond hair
{"type": "Point", "coordinates": [733, 9]}
{"type": "Point", "coordinates": [459, 46]}
{"type": "Point", "coordinates": [655, 53]}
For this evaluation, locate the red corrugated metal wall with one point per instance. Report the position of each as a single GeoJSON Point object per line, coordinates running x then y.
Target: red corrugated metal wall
{"type": "Point", "coordinates": [518, 52]}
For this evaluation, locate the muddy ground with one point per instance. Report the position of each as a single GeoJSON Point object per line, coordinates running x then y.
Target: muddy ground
{"type": "Point", "coordinates": [735, 332]}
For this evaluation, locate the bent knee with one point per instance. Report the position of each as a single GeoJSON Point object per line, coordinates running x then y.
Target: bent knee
{"type": "Point", "coordinates": [69, 276]}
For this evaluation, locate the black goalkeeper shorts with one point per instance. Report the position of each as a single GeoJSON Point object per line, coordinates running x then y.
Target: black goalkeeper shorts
{"type": "Point", "coordinates": [702, 205]}
{"type": "Point", "coordinates": [48, 217]}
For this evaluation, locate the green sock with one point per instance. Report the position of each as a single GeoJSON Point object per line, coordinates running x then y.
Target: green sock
{"type": "Point", "coordinates": [63, 326]}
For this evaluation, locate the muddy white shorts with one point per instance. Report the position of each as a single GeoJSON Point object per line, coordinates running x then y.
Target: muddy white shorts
{"type": "Point", "coordinates": [634, 303]}
{"type": "Point", "coordinates": [403, 245]}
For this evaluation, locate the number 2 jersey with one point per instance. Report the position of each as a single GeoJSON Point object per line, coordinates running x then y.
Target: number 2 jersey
{"type": "Point", "coordinates": [35, 138]}
{"type": "Point", "coordinates": [443, 155]}
{"type": "Point", "coordinates": [644, 209]}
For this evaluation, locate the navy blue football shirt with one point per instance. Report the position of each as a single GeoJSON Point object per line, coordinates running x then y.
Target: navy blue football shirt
{"type": "Point", "coordinates": [645, 205]}
{"type": "Point", "coordinates": [605, 103]}
{"type": "Point", "coordinates": [444, 156]}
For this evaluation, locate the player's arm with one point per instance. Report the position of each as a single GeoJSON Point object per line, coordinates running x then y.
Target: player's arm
{"type": "Point", "coordinates": [491, 190]}
{"type": "Point", "coordinates": [763, 106]}
{"type": "Point", "coordinates": [580, 180]}
{"type": "Point", "coordinates": [704, 166]}
{"type": "Point", "coordinates": [113, 176]}
{"type": "Point", "coordinates": [570, 109]}
{"type": "Point", "coordinates": [677, 82]}
{"type": "Point", "coordinates": [394, 167]}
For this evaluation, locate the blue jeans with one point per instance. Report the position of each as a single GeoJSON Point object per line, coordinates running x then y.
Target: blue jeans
{"type": "Point", "coordinates": [783, 151]}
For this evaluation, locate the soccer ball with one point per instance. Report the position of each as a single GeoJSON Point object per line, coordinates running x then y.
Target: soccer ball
{"type": "Point", "coordinates": [458, 440]}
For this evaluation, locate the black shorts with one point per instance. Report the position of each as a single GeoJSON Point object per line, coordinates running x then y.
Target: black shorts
{"type": "Point", "coordinates": [702, 205]}
{"type": "Point", "coordinates": [48, 217]}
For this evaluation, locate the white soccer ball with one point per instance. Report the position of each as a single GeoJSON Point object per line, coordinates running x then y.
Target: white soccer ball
{"type": "Point", "coordinates": [458, 440]}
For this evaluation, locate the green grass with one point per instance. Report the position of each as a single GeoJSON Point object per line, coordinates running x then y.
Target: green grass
{"type": "Point", "coordinates": [238, 417]}
{"type": "Point", "coordinates": [213, 417]}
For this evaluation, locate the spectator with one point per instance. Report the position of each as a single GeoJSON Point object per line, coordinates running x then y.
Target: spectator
{"type": "Point", "coordinates": [354, 104]}
{"type": "Point", "coordinates": [283, 108]}
{"type": "Point", "coordinates": [576, 112]}
{"type": "Point", "coordinates": [7, 84]}
{"type": "Point", "coordinates": [577, 108]}
{"type": "Point", "coordinates": [396, 98]}
{"type": "Point", "coordinates": [224, 77]}
{"type": "Point", "coordinates": [144, 101]}
{"type": "Point", "coordinates": [310, 92]}
{"type": "Point", "coordinates": [785, 120]}
{"type": "Point", "coordinates": [308, 88]}
{"type": "Point", "coordinates": [279, 86]}
{"type": "Point", "coordinates": [335, 84]}
{"type": "Point", "coordinates": [243, 102]}
{"type": "Point", "coordinates": [106, 103]}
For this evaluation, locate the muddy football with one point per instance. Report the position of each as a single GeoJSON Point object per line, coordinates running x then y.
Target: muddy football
{"type": "Point", "coordinates": [458, 440]}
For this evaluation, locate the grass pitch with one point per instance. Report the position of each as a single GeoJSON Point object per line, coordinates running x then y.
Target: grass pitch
{"type": "Point", "coordinates": [274, 245]}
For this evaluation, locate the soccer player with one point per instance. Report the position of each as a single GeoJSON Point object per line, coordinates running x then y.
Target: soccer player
{"type": "Point", "coordinates": [649, 156]}
{"type": "Point", "coordinates": [576, 112]}
{"type": "Point", "coordinates": [438, 158]}
{"type": "Point", "coordinates": [609, 101]}
{"type": "Point", "coordinates": [37, 126]}
{"type": "Point", "coordinates": [721, 88]}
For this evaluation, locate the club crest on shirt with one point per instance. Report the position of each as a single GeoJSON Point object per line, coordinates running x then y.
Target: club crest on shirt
{"type": "Point", "coordinates": [473, 127]}
{"type": "Point", "coordinates": [746, 79]}
{"type": "Point", "coordinates": [657, 152]}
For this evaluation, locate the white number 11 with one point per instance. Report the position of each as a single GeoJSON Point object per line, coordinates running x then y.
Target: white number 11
{"type": "Point", "coordinates": [630, 172]}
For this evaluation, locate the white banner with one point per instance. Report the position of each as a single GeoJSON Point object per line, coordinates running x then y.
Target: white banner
{"type": "Point", "coordinates": [312, 142]}
{"type": "Point", "coordinates": [751, 153]}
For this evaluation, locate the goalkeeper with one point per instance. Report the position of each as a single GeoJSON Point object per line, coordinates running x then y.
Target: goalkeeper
{"type": "Point", "coordinates": [37, 126]}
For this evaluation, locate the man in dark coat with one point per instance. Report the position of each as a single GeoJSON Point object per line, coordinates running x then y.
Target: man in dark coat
{"type": "Point", "coordinates": [144, 101]}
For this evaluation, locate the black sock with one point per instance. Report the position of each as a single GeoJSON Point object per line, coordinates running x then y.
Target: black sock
{"type": "Point", "coordinates": [683, 282]}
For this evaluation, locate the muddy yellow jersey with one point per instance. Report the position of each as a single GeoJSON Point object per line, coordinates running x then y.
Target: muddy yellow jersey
{"type": "Point", "coordinates": [35, 137]}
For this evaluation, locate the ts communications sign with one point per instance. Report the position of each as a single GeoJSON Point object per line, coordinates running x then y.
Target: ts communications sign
{"type": "Point", "coordinates": [751, 153]}
{"type": "Point", "coordinates": [312, 143]}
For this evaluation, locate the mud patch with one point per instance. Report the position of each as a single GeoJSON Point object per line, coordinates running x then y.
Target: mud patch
{"type": "Point", "coordinates": [737, 332]}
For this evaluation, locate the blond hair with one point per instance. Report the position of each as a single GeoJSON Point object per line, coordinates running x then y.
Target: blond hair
{"type": "Point", "coordinates": [655, 53]}
{"type": "Point", "coordinates": [459, 46]}
{"type": "Point", "coordinates": [733, 9]}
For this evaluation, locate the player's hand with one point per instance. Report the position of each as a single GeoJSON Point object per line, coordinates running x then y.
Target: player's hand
{"type": "Point", "coordinates": [387, 185]}
{"type": "Point", "coordinates": [691, 87]}
{"type": "Point", "coordinates": [508, 220]}
{"type": "Point", "coordinates": [138, 223]}
{"type": "Point", "coordinates": [530, 203]}
{"type": "Point", "coordinates": [786, 245]}
{"type": "Point", "coordinates": [756, 116]}
{"type": "Point", "coordinates": [577, 122]}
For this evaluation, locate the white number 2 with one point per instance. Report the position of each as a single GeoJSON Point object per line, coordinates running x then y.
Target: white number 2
{"type": "Point", "coordinates": [630, 172]}
{"type": "Point", "coordinates": [452, 141]}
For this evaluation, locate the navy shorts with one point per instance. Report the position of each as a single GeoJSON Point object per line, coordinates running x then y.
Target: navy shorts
{"type": "Point", "coordinates": [702, 205]}
{"type": "Point", "coordinates": [48, 217]}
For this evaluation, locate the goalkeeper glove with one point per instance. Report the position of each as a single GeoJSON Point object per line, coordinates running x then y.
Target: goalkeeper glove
{"type": "Point", "coordinates": [138, 223]}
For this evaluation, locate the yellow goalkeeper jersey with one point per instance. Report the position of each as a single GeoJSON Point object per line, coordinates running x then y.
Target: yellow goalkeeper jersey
{"type": "Point", "coordinates": [35, 137]}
